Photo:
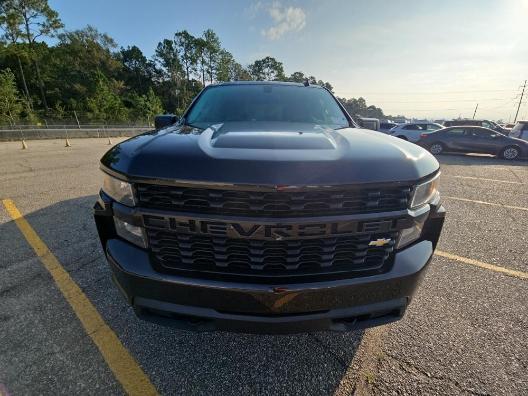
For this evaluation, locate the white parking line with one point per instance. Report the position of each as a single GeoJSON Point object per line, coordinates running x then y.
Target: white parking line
{"type": "Point", "coordinates": [485, 203]}
{"type": "Point", "coordinates": [477, 263]}
{"type": "Point", "coordinates": [491, 180]}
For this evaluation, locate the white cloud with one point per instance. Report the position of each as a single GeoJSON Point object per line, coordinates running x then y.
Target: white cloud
{"type": "Point", "coordinates": [286, 19]}
{"type": "Point", "coordinates": [254, 8]}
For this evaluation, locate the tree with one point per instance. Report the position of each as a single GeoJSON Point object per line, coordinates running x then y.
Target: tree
{"type": "Point", "coordinates": [38, 19]}
{"type": "Point", "coordinates": [201, 56]}
{"type": "Point", "coordinates": [106, 103]}
{"type": "Point", "coordinates": [358, 107]}
{"type": "Point", "coordinates": [328, 86]}
{"type": "Point", "coordinates": [78, 61]}
{"type": "Point", "coordinates": [138, 72]}
{"type": "Point", "coordinates": [212, 52]}
{"type": "Point", "coordinates": [297, 77]}
{"type": "Point", "coordinates": [267, 69]}
{"type": "Point", "coordinates": [168, 59]}
{"type": "Point", "coordinates": [186, 49]}
{"type": "Point", "coordinates": [10, 23]}
{"type": "Point", "coordinates": [10, 102]}
{"type": "Point", "coordinates": [146, 107]}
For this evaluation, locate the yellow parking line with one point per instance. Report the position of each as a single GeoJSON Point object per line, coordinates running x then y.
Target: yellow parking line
{"type": "Point", "coordinates": [485, 203]}
{"type": "Point", "coordinates": [491, 180]}
{"type": "Point", "coordinates": [477, 263]}
{"type": "Point", "coordinates": [125, 368]}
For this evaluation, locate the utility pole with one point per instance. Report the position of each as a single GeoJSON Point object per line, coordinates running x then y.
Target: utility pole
{"type": "Point", "coordinates": [520, 101]}
{"type": "Point", "coordinates": [475, 112]}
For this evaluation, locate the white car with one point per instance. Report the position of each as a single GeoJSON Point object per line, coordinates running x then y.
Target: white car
{"type": "Point", "coordinates": [520, 130]}
{"type": "Point", "coordinates": [412, 132]}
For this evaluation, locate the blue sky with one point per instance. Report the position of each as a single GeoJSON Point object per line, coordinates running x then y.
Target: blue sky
{"type": "Point", "coordinates": [422, 58]}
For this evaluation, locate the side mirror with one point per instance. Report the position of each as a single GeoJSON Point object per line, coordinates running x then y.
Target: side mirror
{"type": "Point", "coordinates": [161, 121]}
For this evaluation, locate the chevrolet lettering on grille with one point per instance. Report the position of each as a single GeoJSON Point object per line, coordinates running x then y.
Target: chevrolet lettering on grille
{"type": "Point", "coordinates": [269, 231]}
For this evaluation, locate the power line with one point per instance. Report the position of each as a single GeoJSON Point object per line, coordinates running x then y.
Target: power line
{"type": "Point", "coordinates": [437, 101]}
{"type": "Point", "coordinates": [424, 92]}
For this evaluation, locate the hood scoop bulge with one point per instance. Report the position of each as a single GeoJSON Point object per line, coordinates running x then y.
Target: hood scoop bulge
{"type": "Point", "coordinates": [276, 138]}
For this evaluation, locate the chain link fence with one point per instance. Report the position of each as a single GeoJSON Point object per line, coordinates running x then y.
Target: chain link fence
{"type": "Point", "coordinates": [53, 119]}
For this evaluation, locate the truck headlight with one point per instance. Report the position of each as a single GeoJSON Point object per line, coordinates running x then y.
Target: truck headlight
{"type": "Point", "coordinates": [119, 190]}
{"type": "Point", "coordinates": [425, 192]}
{"type": "Point", "coordinates": [130, 232]}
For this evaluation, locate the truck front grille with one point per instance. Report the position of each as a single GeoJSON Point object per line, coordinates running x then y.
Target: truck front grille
{"type": "Point", "coordinates": [269, 259]}
{"type": "Point", "coordinates": [319, 202]}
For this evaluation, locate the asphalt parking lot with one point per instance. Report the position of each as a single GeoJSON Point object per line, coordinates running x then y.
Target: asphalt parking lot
{"type": "Point", "coordinates": [465, 332]}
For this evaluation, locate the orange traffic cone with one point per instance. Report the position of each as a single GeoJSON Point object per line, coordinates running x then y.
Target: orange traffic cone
{"type": "Point", "coordinates": [67, 143]}
{"type": "Point", "coordinates": [24, 145]}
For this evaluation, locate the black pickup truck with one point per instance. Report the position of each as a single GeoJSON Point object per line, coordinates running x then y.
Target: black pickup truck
{"type": "Point", "coordinates": [264, 208]}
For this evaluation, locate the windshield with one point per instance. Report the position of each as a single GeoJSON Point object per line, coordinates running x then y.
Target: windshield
{"type": "Point", "coordinates": [269, 103]}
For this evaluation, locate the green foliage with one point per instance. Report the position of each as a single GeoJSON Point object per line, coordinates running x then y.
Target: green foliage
{"type": "Point", "coordinates": [137, 72]}
{"type": "Point", "coordinates": [358, 107]}
{"type": "Point", "coordinates": [267, 69]}
{"type": "Point", "coordinates": [187, 52]}
{"type": "Point", "coordinates": [146, 107]}
{"type": "Point", "coordinates": [28, 20]}
{"type": "Point", "coordinates": [10, 101]}
{"type": "Point", "coordinates": [211, 52]}
{"type": "Point", "coordinates": [106, 104]}
{"type": "Point", "coordinates": [84, 71]}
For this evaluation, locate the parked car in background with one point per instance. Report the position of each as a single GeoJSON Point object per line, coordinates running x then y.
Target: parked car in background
{"type": "Point", "coordinates": [385, 127]}
{"type": "Point", "coordinates": [368, 123]}
{"type": "Point", "coordinates": [520, 130]}
{"type": "Point", "coordinates": [507, 126]}
{"type": "Point", "coordinates": [473, 139]}
{"type": "Point", "coordinates": [478, 123]}
{"type": "Point", "coordinates": [412, 132]}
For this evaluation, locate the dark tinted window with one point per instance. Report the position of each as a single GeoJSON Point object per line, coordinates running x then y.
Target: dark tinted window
{"type": "Point", "coordinates": [412, 127]}
{"type": "Point", "coordinates": [487, 124]}
{"type": "Point", "coordinates": [461, 122]}
{"type": "Point", "coordinates": [456, 132]}
{"type": "Point", "coordinates": [484, 133]}
{"type": "Point", "coordinates": [262, 102]}
{"type": "Point", "coordinates": [433, 127]}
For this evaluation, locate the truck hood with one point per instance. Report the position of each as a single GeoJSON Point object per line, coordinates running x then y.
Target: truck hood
{"type": "Point", "coordinates": [270, 154]}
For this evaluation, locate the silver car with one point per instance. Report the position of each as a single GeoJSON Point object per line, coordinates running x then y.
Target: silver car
{"type": "Point", "coordinates": [520, 130]}
{"type": "Point", "coordinates": [412, 131]}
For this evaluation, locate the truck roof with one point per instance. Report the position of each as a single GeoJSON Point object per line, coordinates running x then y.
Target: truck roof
{"type": "Point", "coordinates": [264, 83]}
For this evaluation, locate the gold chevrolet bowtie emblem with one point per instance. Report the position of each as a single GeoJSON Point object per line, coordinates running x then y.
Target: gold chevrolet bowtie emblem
{"type": "Point", "coordinates": [379, 242]}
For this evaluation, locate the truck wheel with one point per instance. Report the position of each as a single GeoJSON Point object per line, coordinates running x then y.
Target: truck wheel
{"type": "Point", "coordinates": [436, 148]}
{"type": "Point", "coordinates": [510, 153]}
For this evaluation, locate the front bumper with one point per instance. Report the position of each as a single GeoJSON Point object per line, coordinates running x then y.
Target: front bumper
{"type": "Point", "coordinates": [215, 304]}
{"type": "Point", "coordinates": [204, 305]}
